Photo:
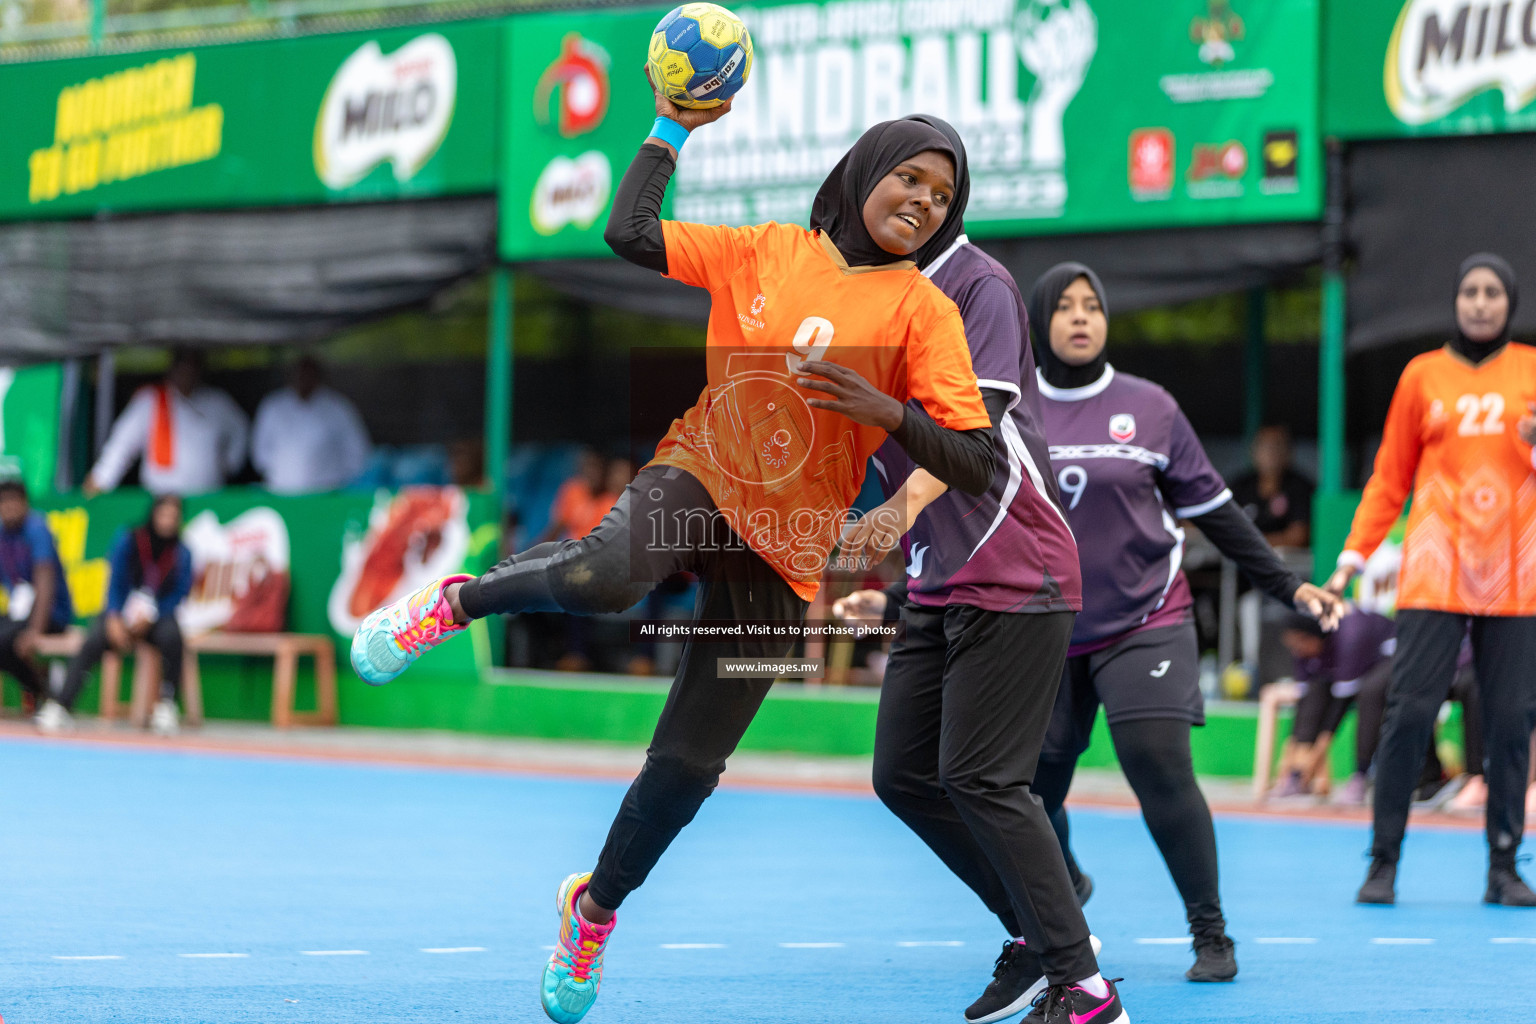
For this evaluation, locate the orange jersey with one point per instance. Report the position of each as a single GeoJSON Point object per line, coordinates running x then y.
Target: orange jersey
{"type": "Point", "coordinates": [782, 473]}
{"type": "Point", "coordinates": [1450, 435]}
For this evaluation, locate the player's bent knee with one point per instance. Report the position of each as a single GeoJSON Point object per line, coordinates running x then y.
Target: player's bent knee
{"type": "Point", "coordinates": [672, 789]}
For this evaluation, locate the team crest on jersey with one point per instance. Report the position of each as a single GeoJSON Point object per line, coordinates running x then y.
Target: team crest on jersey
{"type": "Point", "coordinates": [1122, 427]}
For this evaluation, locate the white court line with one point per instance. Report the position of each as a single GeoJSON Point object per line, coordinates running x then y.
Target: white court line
{"type": "Point", "coordinates": [939, 942]}
{"type": "Point", "coordinates": [334, 952]}
{"type": "Point", "coordinates": [1520, 940]}
{"type": "Point", "coordinates": [1393, 941]}
{"type": "Point", "coordinates": [214, 956]}
{"type": "Point", "coordinates": [693, 945]}
{"type": "Point", "coordinates": [1182, 940]}
{"type": "Point", "coordinates": [811, 945]}
{"type": "Point", "coordinates": [109, 956]}
{"type": "Point", "coordinates": [454, 949]}
{"type": "Point", "coordinates": [1283, 940]}
{"type": "Point", "coordinates": [549, 948]}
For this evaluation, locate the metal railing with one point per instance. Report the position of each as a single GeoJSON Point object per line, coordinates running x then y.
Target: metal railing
{"type": "Point", "coordinates": [102, 31]}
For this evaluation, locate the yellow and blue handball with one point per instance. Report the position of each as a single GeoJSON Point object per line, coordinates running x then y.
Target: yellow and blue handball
{"type": "Point", "coordinates": [700, 55]}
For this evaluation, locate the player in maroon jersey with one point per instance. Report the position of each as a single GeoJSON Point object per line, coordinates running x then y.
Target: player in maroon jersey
{"type": "Point", "coordinates": [1130, 468]}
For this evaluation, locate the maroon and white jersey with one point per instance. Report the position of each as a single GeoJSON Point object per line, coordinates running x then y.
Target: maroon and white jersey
{"type": "Point", "coordinates": [1009, 550]}
{"type": "Point", "coordinates": [1128, 466]}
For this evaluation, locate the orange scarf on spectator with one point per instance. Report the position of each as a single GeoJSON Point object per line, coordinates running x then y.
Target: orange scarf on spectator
{"type": "Point", "coordinates": [162, 435]}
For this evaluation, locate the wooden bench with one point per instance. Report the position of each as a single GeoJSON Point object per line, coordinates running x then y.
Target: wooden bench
{"type": "Point", "coordinates": [284, 648]}
{"type": "Point", "coordinates": [146, 677]}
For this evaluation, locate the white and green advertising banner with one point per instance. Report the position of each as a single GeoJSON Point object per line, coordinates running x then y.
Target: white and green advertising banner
{"type": "Point", "coordinates": [1077, 114]}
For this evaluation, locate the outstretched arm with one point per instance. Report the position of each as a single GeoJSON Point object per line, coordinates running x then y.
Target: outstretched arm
{"type": "Point", "coordinates": [634, 223]}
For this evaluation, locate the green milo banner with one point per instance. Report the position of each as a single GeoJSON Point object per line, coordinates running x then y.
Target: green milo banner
{"type": "Point", "coordinates": [1429, 67]}
{"type": "Point", "coordinates": [403, 112]}
{"type": "Point", "coordinates": [1077, 114]}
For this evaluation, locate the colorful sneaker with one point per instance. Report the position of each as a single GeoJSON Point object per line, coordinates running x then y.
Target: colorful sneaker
{"type": "Point", "coordinates": [575, 969]}
{"type": "Point", "coordinates": [397, 634]}
{"type": "Point", "coordinates": [1069, 1004]}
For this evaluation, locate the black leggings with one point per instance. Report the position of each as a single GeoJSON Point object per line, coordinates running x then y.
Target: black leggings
{"type": "Point", "coordinates": [1320, 712]}
{"type": "Point", "coordinates": [164, 636]}
{"type": "Point", "coordinates": [1155, 755]}
{"type": "Point", "coordinates": [1503, 648]}
{"type": "Point", "coordinates": [664, 523]}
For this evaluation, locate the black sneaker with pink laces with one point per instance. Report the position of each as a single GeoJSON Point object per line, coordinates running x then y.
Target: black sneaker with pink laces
{"type": "Point", "coordinates": [1071, 1004]}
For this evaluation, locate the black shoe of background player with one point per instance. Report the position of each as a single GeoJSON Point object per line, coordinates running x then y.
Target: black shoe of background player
{"type": "Point", "coordinates": [1084, 888]}
{"type": "Point", "coordinates": [1016, 979]}
{"type": "Point", "coordinates": [1506, 887]}
{"type": "Point", "coordinates": [1215, 957]}
{"type": "Point", "coordinates": [1380, 883]}
{"type": "Point", "coordinates": [1068, 1004]}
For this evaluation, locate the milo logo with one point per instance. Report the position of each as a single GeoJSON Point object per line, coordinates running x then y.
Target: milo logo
{"type": "Point", "coordinates": [379, 108]}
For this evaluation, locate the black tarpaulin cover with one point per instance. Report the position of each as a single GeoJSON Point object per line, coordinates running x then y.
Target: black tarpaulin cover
{"type": "Point", "coordinates": [209, 278]}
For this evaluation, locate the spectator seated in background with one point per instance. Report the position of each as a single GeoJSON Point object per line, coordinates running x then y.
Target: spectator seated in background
{"type": "Point", "coordinates": [581, 502]}
{"type": "Point", "coordinates": [308, 438]}
{"type": "Point", "coordinates": [37, 594]}
{"type": "Point", "coordinates": [151, 574]}
{"type": "Point", "coordinates": [1276, 497]}
{"type": "Point", "coordinates": [192, 438]}
{"type": "Point", "coordinates": [1351, 665]}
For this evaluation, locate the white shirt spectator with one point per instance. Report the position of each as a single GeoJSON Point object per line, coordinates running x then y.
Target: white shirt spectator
{"type": "Point", "coordinates": [207, 439]}
{"type": "Point", "coordinates": [302, 446]}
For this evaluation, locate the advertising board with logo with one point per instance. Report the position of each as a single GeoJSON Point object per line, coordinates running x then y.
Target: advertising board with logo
{"type": "Point", "coordinates": [1429, 67]}
{"type": "Point", "coordinates": [1077, 114]}
{"type": "Point", "coordinates": [402, 112]}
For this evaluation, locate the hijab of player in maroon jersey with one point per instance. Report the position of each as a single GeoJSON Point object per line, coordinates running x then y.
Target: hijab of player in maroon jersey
{"type": "Point", "coordinates": [1042, 307]}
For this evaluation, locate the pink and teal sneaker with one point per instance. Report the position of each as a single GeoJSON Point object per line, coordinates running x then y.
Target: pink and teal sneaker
{"type": "Point", "coordinates": [575, 969]}
{"type": "Point", "coordinates": [392, 637]}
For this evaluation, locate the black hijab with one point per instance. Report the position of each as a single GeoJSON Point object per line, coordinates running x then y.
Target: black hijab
{"type": "Point", "coordinates": [1042, 306]}
{"type": "Point", "coordinates": [838, 211]}
{"type": "Point", "coordinates": [1476, 351]}
{"type": "Point", "coordinates": [158, 544]}
{"type": "Point", "coordinates": [954, 220]}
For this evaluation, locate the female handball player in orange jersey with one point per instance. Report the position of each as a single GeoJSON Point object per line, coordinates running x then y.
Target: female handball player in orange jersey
{"type": "Point", "coordinates": [1458, 438]}
{"type": "Point", "coordinates": [816, 340]}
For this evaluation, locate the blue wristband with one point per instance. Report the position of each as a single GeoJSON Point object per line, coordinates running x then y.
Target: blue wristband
{"type": "Point", "coordinates": [670, 132]}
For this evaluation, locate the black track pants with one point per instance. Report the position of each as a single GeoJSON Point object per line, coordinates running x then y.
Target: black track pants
{"type": "Point", "coordinates": [664, 523]}
{"type": "Point", "coordinates": [1504, 651]}
{"type": "Point", "coordinates": [164, 636]}
{"type": "Point", "coordinates": [963, 710]}
{"type": "Point", "coordinates": [1154, 754]}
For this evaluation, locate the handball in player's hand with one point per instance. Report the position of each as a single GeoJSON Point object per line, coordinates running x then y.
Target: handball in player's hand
{"type": "Point", "coordinates": [700, 56]}
{"type": "Point", "coordinates": [689, 119]}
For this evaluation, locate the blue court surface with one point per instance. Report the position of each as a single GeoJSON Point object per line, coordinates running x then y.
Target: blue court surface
{"type": "Point", "coordinates": [152, 886]}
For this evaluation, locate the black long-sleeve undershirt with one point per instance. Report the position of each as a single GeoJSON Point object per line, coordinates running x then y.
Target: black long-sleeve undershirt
{"type": "Point", "coordinates": [1235, 536]}
{"type": "Point", "coordinates": [963, 459]}
{"type": "Point", "coordinates": [634, 223]}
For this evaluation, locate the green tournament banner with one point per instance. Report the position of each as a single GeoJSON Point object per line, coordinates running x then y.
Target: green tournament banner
{"type": "Point", "coordinates": [1077, 114]}
{"type": "Point", "coordinates": [1429, 67]}
{"type": "Point", "coordinates": [403, 112]}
